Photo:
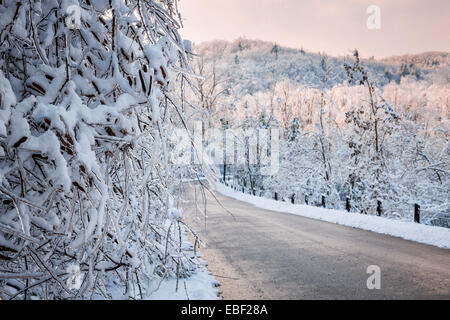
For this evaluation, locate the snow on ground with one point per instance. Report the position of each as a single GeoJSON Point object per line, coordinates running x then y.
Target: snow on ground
{"type": "Point", "coordinates": [200, 286]}
{"type": "Point", "coordinates": [436, 236]}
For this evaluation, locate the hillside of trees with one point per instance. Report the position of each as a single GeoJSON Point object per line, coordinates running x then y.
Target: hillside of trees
{"type": "Point", "coordinates": [430, 59]}
{"type": "Point", "coordinates": [350, 128]}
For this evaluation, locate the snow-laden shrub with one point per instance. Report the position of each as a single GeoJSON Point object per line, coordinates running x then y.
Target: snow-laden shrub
{"type": "Point", "coordinates": [85, 177]}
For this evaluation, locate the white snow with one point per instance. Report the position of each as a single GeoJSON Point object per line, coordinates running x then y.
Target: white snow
{"type": "Point", "coordinates": [200, 286]}
{"type": "Point", "coordinates": [436, 236]}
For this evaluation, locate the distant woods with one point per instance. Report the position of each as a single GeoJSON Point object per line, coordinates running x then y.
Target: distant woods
{"type": "Point", "coordinates": [350, 129]}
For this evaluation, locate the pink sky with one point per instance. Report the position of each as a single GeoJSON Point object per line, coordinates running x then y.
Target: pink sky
{"type": "Point", "coordinates": [333, 26]}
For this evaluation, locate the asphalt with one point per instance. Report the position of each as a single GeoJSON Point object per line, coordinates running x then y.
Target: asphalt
{"type": "Point", "coordinates": [284, 256]}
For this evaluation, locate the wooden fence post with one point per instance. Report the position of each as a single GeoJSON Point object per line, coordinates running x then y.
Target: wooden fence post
{"type": "Point", "coordinates": [293, 198]}
{"type": "Point", "coordinates": [276, 196]}
{"type": "Point", "coordinates": [416, 213]}
{"type": "Point", "coordinates": [379, 209]}
{"type": "Point", "coordinates": [323, 201]}
{"type": "Point", "coordinates": [347, 204]}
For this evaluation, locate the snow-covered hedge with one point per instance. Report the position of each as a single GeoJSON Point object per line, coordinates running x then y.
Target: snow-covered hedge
{"type": "Point", "coordinates": [85, 174]}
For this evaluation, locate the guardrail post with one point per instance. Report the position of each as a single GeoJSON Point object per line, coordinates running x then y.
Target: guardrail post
{"type": "Point", "coordinates": [293, 198]}
{"type": "Point", "coordinates": [347, 204]}
{"type": "Point", "coordinates": [379, 209]}
{"type": "Point", "coordinates": [323, 201]}
{"type": "Point", "coordinates": [276, 196]}
{"type": "Point", "coordinates": [416, 213]}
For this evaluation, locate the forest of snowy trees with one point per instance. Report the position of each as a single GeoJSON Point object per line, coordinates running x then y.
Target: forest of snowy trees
{"type": "Point", "coordinates": [86, 183]}
{"type": "Point", "coordinates": [370, 132]}
{"type": "Point", "coordinates": [91, 93]}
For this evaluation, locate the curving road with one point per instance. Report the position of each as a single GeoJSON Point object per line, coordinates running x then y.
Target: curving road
{"type": "Point", "coordinates": [261, 254]}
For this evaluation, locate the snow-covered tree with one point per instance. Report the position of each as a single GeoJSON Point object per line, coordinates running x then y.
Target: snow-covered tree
{"type": "Point", "coordinates": [86, 180]}
{"type": "Point", "coordinates": [372, 123]}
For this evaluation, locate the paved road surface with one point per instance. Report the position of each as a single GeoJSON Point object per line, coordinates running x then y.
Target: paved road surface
{"type": "Point", "coordinates": [263, 254]}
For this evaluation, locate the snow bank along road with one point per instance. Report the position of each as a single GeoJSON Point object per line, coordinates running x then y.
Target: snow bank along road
{"type": "Point", "coordinates": [262, 254]}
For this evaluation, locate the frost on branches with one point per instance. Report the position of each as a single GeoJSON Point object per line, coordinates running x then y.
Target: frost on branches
{"type": "Point", "coordinates": [86, 186]}
{"type": "Point", "coordinates": [350, 128]}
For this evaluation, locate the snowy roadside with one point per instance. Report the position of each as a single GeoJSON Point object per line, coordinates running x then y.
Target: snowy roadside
{"type": "Point", "coordinates": [436, 236]}
{"type": "Point", "coordinates": [200, 286]}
